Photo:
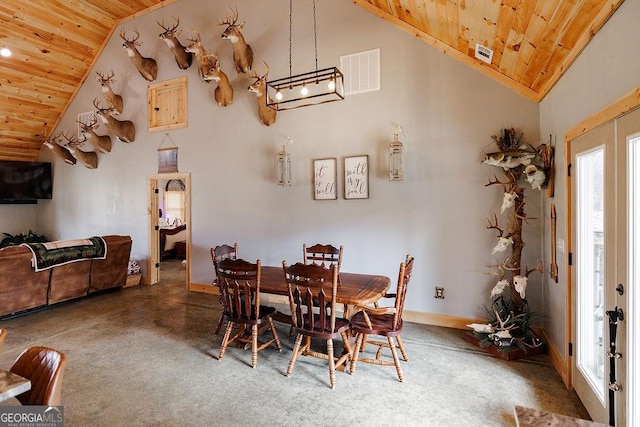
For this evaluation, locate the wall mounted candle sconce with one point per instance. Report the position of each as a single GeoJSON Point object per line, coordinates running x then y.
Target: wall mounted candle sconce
{"type": "Point", "coordinates": [283, 166]}
{"type": "Point", "coordinates": [396, 168]}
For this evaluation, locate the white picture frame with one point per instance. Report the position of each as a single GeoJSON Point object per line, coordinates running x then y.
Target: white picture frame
{"type": "Point", "coordinates": [356, 177]}
{"type": "Point", "coordinates": [325, 178]}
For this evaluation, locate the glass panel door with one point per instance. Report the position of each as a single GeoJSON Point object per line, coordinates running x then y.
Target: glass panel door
{"type": "Point", "coordinates": [592, 239]}
{"type": "Point", "coordinates": [633, 305]}
{"type": "Point", "coordinates": [590, 306]}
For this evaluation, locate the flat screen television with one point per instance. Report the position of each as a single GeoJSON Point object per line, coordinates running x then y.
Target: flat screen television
{"type": "Point", "coordinates": [25, 182]}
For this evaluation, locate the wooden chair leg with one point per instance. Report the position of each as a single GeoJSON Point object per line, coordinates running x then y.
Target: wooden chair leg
{"type": "Point", "coordinates": [354, 356]}
{"type": "Point", "coordinates": [332, 363]}
{"type": "Point", "coordinates": [254, 345]}
{"type": "Point", "coordinates": [294, 355]}
{"type": "Point", "coordinates": [220, 321]}
{"type": "Point", "coordinates": [363, 346]}
{"type": "Point", "coordinates": [396, 361]}
{"type": "Point", "coordinates": [225, 340]}
{"type": "Point", "coordinates": [275, 334]}
{"type": "Point", "coordinates": [405, 356]}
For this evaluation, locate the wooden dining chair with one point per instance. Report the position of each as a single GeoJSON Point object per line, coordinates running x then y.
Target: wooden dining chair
{"type": "Point", "coordinates": [325, 255]}
{"type": "Point", "coordinates": [218, 254]}
{"type": "Point", "coordinates": [44, 367]}
{"type": "Point", "coordinates": [312, 292]}
{"type": "Point", "coordinates": [384, 322]}
{"type": "Point", "coordinates": [239, 283]}
{"type": "Point", "coordinates": [3, 335]}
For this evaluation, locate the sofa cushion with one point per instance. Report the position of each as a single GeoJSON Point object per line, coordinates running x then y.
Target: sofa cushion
{"type": "Point", "coordinates": [112, 271]}
{"type": "Point", "coordinates": [20, 287]}
{"type": "Point", "coordinates": [69, 281]}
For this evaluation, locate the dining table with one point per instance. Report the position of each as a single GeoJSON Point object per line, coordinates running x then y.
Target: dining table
{"type": "Point", "coordinates": [12, 385]}
{"type": "Point", "coordinates": [353, 288]}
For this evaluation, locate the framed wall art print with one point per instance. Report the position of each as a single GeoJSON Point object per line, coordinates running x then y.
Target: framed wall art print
{"type": "Point", "coordinates": [356, 177]}
{"type": "Point", "coordinates": [325, 179]}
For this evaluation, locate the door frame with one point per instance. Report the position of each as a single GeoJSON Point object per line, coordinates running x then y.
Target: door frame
{"type": "Point", "coordinates": [152, 221]}
{"type": "Point", "coordinates": [613, 111]}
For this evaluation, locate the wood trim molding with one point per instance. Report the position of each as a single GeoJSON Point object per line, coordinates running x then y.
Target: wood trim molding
{"type": "Point", "coordinates": [568, 322]}
{"type": "Point", "coordinates": [616, 109]}
{"type": "Point", "coordinates": [557, 360]}
{"type": "Point", "coordinates": [204, 288]}
{"type": "Point", "coordinates": [437, 319]}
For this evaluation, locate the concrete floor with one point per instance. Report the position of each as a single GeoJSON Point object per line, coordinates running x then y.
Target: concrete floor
{"type": "Point", "coordinates": [147, 356]}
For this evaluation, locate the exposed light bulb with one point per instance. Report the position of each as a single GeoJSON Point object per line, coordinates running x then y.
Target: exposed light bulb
{"type": "Point", "coordinates": [332, 84]}
{"type": "Point", "coordinates": [279, 96]}
{"type": "Point", "coordinates": [5, 52]}
{"type": "Point", "coordinates": [304, 91]}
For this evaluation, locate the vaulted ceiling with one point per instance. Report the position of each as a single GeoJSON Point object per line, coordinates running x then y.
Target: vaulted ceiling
{"type": "Point", "coordinates": [55, 43]}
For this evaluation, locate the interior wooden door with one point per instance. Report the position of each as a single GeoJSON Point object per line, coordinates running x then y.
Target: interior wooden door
{"type": "Point", "coordinates": [154, 249]}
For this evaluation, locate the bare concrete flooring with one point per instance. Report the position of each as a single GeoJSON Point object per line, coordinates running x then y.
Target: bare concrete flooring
{"type": "Point", "coordinates": [147, 356]}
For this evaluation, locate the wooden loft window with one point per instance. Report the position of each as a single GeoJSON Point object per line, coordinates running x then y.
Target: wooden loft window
{"type": "Point", "coordinates": [167, 103]}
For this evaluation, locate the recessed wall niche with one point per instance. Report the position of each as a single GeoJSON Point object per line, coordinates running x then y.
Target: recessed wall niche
{"type": "Point", "coordinates": [167, 104]}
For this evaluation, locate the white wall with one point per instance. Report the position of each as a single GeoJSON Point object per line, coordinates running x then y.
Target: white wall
{"type": "Point", "coordinates": [605, 71]}
{"type": "Point", "coordinates": [16, 219]}
{"type": "Point", "coordinates": [438, 214]}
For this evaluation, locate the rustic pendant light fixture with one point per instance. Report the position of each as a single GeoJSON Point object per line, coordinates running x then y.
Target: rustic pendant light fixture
{"type": "Point", "coordinates": [312, 88]}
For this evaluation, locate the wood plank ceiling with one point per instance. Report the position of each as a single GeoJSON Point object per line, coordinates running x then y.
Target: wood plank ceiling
{"type": "Point", "coordinates": [55, 43]}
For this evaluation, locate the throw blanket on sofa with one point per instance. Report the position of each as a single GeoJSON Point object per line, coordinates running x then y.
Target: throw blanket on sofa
{"type": "Point", "coordinates": [52, 254]}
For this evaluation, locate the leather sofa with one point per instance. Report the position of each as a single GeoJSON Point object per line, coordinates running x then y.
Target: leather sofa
{"type": "Point", "coordinates": [22, 288]}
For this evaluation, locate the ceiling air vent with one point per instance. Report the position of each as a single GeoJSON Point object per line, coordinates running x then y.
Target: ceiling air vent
{"type": "Point", "coordinates": [361, 72]}
{"type": "Point", "coordinates": [483, 53]}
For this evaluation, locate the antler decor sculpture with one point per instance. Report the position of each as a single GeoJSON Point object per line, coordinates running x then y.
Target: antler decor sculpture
{"type": "Point", "coordinates": [511, 316]}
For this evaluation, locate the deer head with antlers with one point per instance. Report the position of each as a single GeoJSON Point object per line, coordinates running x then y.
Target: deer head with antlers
{"type": "Point", "coordinates": [59, 150]}
{"type": "Point", "coordinates": [147, 67]}
{"type": "Point", "coordinates": [87, 158]}
{"type": "Point", "coordinates": [224, 92]}
{"type": "Point", "coordinates": [242, 52]}
{"type": "Point", "coordinates": [124, 130]}
{"type": "Point", "coordinates": [109, 95]}
{"type": "Point", "coordinates": [259, 87]}
{"type": "Point", "coordinates": [170, 37]}
{"type": "Point", "coordinates": [88, 133]}
{"type": "Point", "coordinates": [202, 58]}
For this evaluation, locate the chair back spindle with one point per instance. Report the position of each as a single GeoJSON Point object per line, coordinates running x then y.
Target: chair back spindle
{"type": "Point", "coordinates": [325, 255]}
{"type": "Point", "coordinates": [404, 275]}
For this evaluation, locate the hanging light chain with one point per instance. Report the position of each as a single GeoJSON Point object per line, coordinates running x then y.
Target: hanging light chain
{"type": "Point", "coordinates": [290, 32]}
{"type": "Point", "coordinates": [315, 34]}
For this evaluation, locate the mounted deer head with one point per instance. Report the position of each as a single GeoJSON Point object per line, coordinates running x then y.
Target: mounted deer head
{"type": "Point", "coordinates": [204, 63]}
{"type": "Point", "coordinates": [147, 67]}
{"type": "Point", "coordinates": [88, 133]}
{"type": "Point", "coordinates": [112, 98]}
{"type": "Point", "coordinates": [124, 130]}
{"type": "Point", "coordinates": [59, 150]}
{"type": "Point", "coordinates": [259, 87]}
{"type": "Point", "coordinates": [224, 92]}
{"type": "Point", "coordinates": [87, 158]}
{"type": "Point", "coordinates": [170, 37]}
{"type": "Point", "coordinates": [242, 52]}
